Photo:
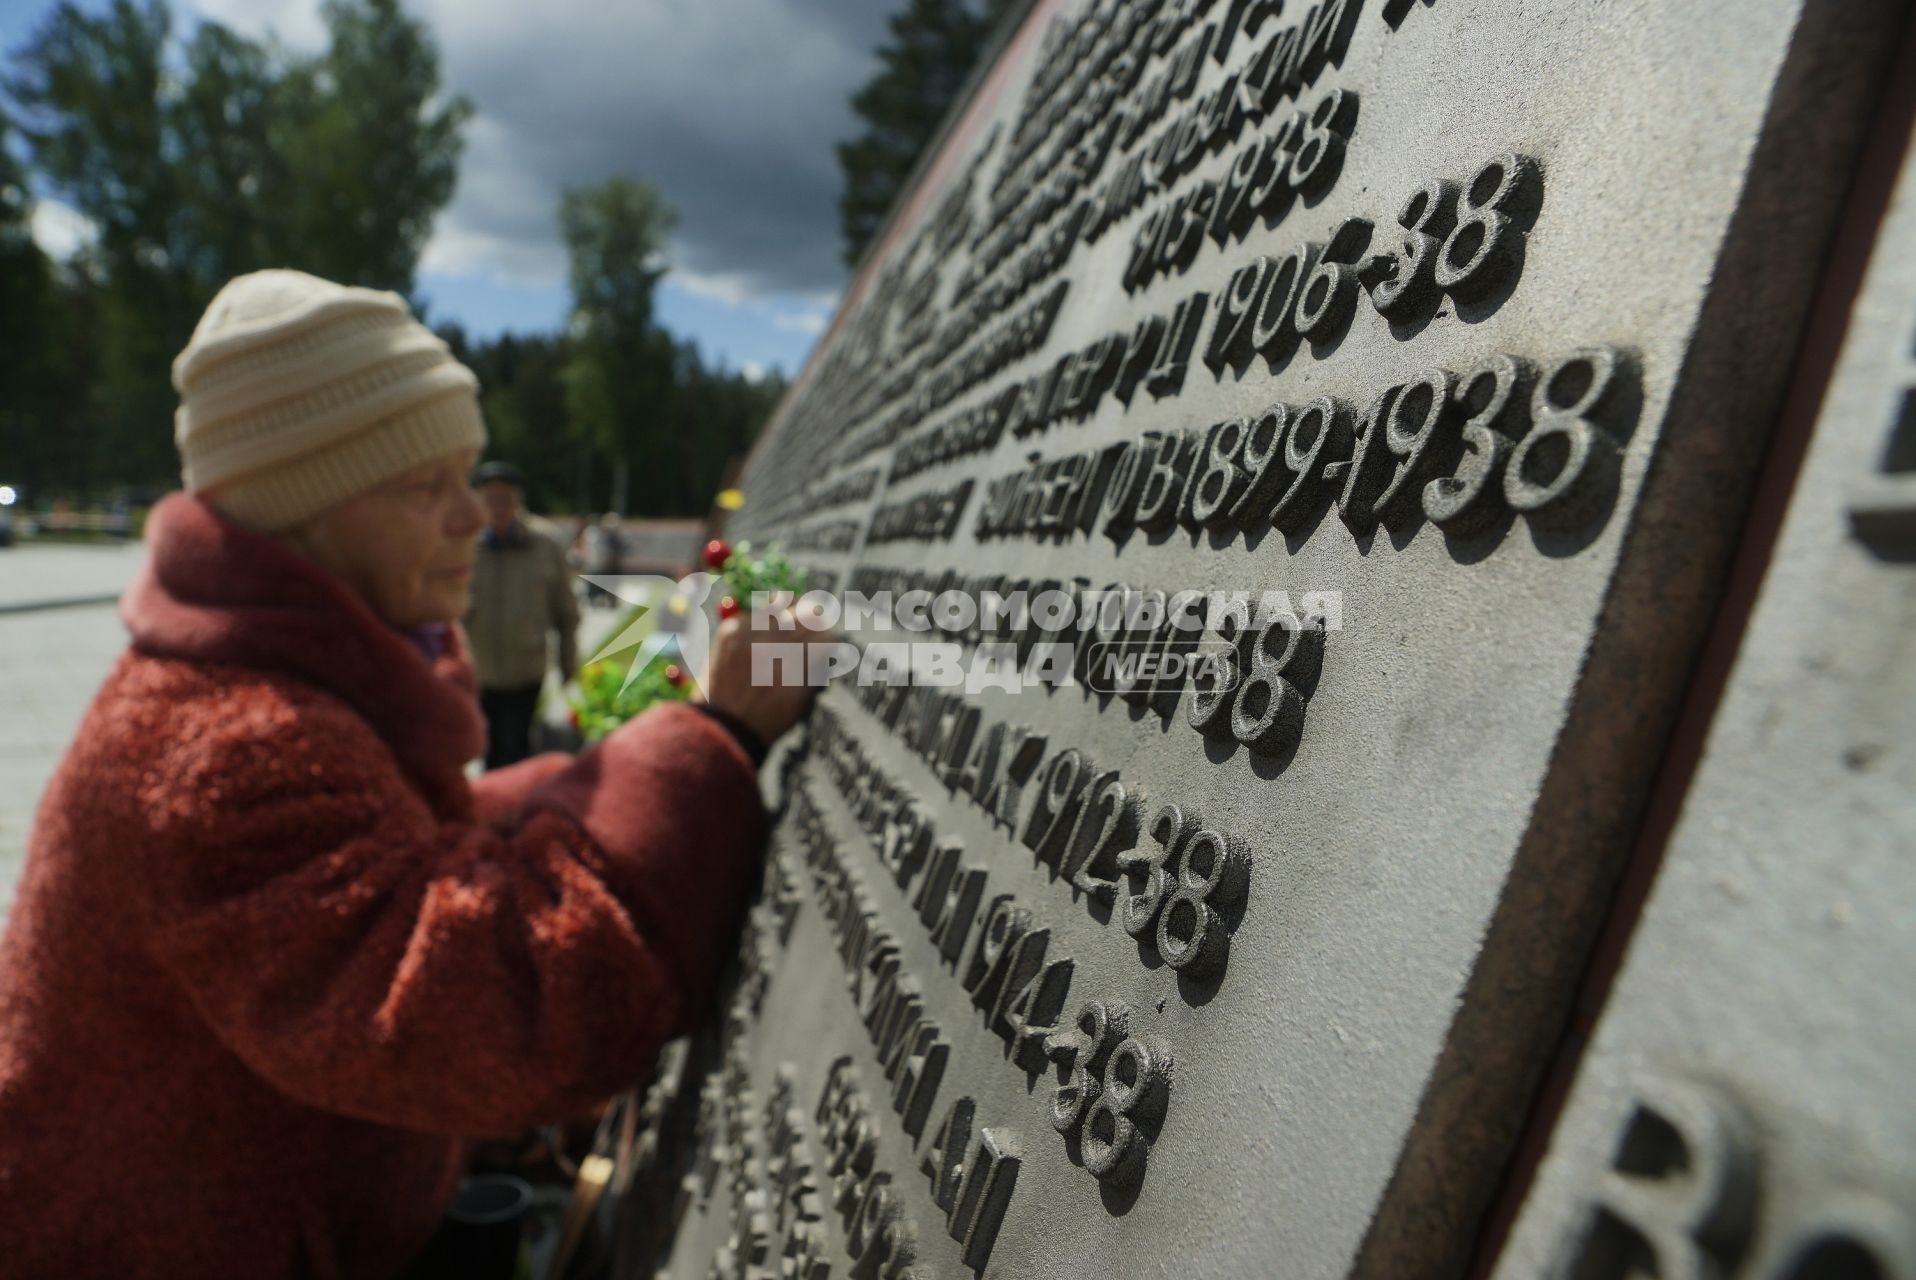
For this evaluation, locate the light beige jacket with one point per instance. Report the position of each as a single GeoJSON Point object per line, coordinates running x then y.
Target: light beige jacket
{"type": "Point", "coordinates": [521, 592]}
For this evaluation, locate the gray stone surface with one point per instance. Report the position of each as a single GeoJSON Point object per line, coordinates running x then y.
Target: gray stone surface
{"type": "Point", "coordinates": [1429, 858]}
{"type": "Point", "coordinates": [1761, 1026]}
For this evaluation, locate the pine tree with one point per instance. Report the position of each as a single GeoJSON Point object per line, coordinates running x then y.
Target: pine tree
{"type": "Point", "coordinates": [933, 45]}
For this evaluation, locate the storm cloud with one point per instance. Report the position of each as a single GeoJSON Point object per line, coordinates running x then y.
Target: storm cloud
{"type": "Point", "coordinates": [729, 107]}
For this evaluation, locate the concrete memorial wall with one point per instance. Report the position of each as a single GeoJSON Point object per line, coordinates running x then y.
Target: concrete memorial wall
{"type": "Point", "coordinates": [1401, 372]}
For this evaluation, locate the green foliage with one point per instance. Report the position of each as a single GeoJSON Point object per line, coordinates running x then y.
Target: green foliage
{"type": "Point", "coordinates": [244, 157]}
{"type": "Point", "coordinates": [91, 90]}
{"type": "Point", "coordinates": [933, 45]}
{"type": "Point", "coordinates": [223, 158]}
{"type": "Point", "coordinates": [552, 410]}
{"type": "Point", "coordinates": [377, 144]}
{"type": "Point", "coordinates": [632, 392]}
{"type": "Point", "coordinates": [202, 157]}
{"type": "Point", "coordinates": [615, 236]}
{"type": "Point", "coordinates": [27, 343]}
{"type": "Point", "coordinates": [601, 706]}
{"type": "Point", "coordinates": [709, 419]}
{"type": "Point", "coordinates": [745, 573]}
{"type": "Point", "coordinates": [523, 397]}
{"type": "Point", "coordinates": [16, 202]}
{"type": "Point", "coordinates": [619, 377]}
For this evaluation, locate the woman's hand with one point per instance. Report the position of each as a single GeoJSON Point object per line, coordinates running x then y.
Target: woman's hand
{"type": "Point", "coordinates": [768, 706]}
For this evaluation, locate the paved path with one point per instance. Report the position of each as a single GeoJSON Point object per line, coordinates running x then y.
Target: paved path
{"type": "Point", "coordinates": [36, 574]}
{"type": "Point", "coordinates": [51, 662]}
{"type": "Point", "coordinates": [53, 659]}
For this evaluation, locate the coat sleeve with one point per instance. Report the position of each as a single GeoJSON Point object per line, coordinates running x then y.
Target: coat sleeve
{"type": "Point", "coordinates": [467, 979]}
{"type": "Point", "coordinates": [499, 795]}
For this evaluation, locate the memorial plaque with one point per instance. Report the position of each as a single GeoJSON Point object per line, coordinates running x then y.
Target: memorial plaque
{"type": "Point", "coordinates": [1745, 1108]}
{"type": "Point", "coordinates": [1399, 371]}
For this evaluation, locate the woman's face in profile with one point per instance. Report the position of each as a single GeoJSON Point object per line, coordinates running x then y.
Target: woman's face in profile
{"type": "Point", "coordinates": [406, 548]}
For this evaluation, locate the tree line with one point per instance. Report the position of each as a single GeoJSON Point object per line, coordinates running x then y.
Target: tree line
{"type": "Point", "coordinates": [199, 157]}
{"type": "Point", "coordinates": [196, 159]}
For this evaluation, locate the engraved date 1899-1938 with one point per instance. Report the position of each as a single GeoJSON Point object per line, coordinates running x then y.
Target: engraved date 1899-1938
{"type": "Point", "coordinates": [1462, 451]}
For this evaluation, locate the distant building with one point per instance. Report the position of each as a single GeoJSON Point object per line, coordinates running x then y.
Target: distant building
{"type": "Point", "coordinates": [669, 547]}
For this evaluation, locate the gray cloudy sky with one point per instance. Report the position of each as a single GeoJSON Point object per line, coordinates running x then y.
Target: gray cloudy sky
{"type": "Point", "coordinates": [729, 107]}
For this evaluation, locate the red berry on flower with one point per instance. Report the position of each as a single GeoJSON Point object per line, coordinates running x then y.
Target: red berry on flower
{"type": "Point", "coordinates": [717, 552]}
{"type": "Point", "coordinates": [674, 676]}
{"type": "Point", "coordinates": [728, 608]}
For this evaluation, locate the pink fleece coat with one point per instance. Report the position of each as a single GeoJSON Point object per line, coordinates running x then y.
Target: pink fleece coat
{"type": "Point", "coordinates": [274, 961]}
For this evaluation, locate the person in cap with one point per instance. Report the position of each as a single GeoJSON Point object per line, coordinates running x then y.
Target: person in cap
{"type": "Point", "coordinates": [274, 961]}
{"type": "Point", "coordinates": [521, 595]}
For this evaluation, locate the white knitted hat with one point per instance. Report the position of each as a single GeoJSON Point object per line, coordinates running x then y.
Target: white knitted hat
{"type": "Point", "coordinates": [297, 394]}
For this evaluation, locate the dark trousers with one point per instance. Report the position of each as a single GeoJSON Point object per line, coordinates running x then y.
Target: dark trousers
{"type": "Point", "coordinates": [508, 723]}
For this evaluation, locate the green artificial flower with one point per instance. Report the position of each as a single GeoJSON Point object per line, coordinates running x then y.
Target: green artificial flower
{"type": "Point", "coordinates": [605, 701]}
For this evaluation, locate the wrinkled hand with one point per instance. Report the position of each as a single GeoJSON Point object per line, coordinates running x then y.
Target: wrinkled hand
{"type": "Point", "coordinates": [770, 707]}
